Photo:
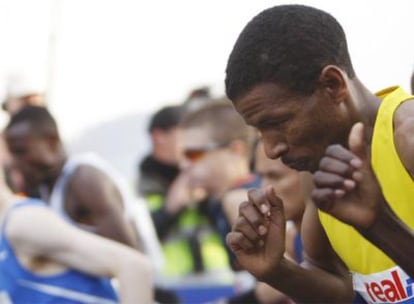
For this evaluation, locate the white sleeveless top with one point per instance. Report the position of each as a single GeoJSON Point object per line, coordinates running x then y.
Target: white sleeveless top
{"type": "Point", "coordinates": [56, 199]}
{"type": "Point", "coordinates": [135, 210]}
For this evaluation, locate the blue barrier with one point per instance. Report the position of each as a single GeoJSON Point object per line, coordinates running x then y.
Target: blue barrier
{"type": "Point", "coordinates": [203, 294]}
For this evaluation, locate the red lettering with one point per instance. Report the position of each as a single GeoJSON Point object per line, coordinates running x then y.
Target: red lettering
{"type": "Point", "coordinates": [390, 290]}
{"type": "Point", "coordinates": [368, 288]}
{"type": "Point", "coordinates": [377, 290]}
{"type": "Point", "coordinates": [398, 283]}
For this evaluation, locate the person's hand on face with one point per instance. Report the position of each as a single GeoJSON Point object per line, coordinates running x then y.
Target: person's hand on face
{"type": "Point", "coordinates": [258, 236]}
{"type": "Point", "coordinates": [345, 185]}
{"type": "Point", "coordinates": [181, 194]}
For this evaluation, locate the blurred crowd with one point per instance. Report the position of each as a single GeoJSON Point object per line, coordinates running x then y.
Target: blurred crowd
{"type": "Point", "coordinates": [203, 160]}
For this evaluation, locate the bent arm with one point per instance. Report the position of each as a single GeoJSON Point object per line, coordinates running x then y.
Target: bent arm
{"type": "Point", "coordinates": [95, 192]}
{"type": "Point", "coordinates": [394, 238]}
{"type": "Point", "coordinates": [258, 241]}
{"type": "Point", "coordinates": [359, 201]}
{"type": "Point", "coordinates": [267, 294]}
{"type": "Point", "coordinates": [389, 233]}
{"type": "Point", "coordinates": [50, 237]}
{"type": "Point", "coordinates": [322, 277]}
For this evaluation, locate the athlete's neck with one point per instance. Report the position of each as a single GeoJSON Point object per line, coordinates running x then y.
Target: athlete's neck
{"type": "Point", "coordinates": [52, 177]}
{"type": "Point", "coordinates": [366, 105]}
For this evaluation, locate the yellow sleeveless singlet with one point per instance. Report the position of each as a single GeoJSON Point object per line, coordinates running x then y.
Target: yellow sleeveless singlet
{"type": "Point", "coordinates": [375, 275]}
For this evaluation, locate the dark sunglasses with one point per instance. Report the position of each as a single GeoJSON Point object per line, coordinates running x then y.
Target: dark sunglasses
{"type": "Point", "coordinates": [196, 154]}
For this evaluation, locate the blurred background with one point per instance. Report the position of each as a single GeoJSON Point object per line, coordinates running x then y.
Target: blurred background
{"type": "Point", "coordinates": [106, 65]}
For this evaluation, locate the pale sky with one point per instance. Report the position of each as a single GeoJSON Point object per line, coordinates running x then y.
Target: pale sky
{"type": "Point", "coordinates": [106, 58]}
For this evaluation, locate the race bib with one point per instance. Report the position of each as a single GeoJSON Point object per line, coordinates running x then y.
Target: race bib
{"type": "Point", "coordinates": [389, 286]}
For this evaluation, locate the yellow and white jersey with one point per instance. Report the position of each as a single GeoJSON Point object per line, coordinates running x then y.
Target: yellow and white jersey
{"type": "Point", "coordinates": [376, 277]}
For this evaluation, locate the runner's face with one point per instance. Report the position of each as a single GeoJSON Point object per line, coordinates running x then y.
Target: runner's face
{"type": "Point", "coordinates": [294, 127]}
{"type": "Point", "coordinates": [32, 154]}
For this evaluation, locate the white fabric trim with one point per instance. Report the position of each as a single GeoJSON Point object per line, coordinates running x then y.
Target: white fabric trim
{"type": "Point", "coordinates": [65, 293]}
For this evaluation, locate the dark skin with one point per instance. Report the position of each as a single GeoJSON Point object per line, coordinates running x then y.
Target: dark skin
{"type": "Point", "coordinates": [92, 197]}
{"type": "Point", "coordinates": [89, 186]}
{"type": "Point", "coordinates": [253, 240]}
{"type": "Point", "coordinates": [348, 189]}
{"type": "Point", "coordinates": [289, 130]}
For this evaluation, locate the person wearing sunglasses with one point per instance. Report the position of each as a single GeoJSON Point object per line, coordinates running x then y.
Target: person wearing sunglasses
{"type": "Point", "coordinates": [217, 150]}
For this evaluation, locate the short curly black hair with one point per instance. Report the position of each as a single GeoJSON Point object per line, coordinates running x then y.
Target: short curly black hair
{"type": "Point", "coordinates": [39, 118]}
{"type": "Point", "coordinates": [288, 45]}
